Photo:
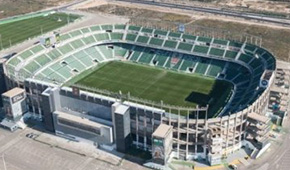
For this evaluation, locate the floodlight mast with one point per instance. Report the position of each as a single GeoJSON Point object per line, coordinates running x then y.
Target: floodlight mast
{"type": "Point", "coordinates": [4, 163]}
{"type": "Point", "coordinates": [1, 42]}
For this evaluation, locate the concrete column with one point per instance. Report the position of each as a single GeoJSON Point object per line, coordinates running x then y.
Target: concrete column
{"type": "Point", "coordinates": [33, 109]}
{"type": "Point", "coordinates": [196, 130]}
{"type": "Point", "coordinates": [187, 133]}
{"type": "Point", "coordinates": [153, 122]}
{"type": "Point", "coordinates": [227, 137]}
{"type": "Point", "coordinates": [241, 127]}
{"type": "Point", "coordinates": [205, 133]}
{"type": "Point", "coordinates": [145, 129]}
{"type": "Point", "coordinates": [145, 142]}
{"type": "Point", "coordinates": [235, 125]}
{"type": "Point", "coordinates": [137, 140]}
{"type": "Point", "coordinates": [169, 116]}
{"type": "Point", "coordinates": [178, 133]}
{"type": "Point", "coordinates": [40, 113]}
{"type": "Point", "coordinates": [137, 129]}
{"type": "Point", "coordinates": [221, 128]}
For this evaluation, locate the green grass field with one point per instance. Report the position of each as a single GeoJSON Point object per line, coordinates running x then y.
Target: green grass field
{"type": "Point", "coordinates": [155, 84]}
{"type": "Point", "coordinates": [18, 31]}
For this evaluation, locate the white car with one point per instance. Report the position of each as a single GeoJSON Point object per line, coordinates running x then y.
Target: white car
{"type": "Point", "coordinates": [233, 166]}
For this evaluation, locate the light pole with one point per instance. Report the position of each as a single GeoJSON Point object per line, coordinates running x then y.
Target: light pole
{"type": "Point", "coordinates": [4, 162]}
{"type": "Point", "coordinates": [289, 56]}
{"type": "Point", "coordinates": [68, 19]}
{"type": "Point", "coordinates": [1, 42]}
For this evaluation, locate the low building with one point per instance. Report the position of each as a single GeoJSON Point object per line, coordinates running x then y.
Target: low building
{"type": "Point", "coordinates": [14, 104]}
{"type": "Point", "coordinates": [162, 144]}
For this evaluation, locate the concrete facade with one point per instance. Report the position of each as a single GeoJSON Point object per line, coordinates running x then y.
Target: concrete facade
{"type": "Point", "coordinates": [193, 138]}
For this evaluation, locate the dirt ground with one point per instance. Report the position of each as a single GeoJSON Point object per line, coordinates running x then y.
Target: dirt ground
{"type": "Point", "coordinates": [275, 39]}
{"type": "Point", "coordinates": [139, 13]}
{"type": "Point", "coordinates": [16, 7]}
{"type": "Point", "coordinates": [277, 6]}
{"type": "Point", "coordinates": [263, 5]}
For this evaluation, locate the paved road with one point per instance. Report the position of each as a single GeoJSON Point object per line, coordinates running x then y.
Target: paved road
{"type": "Point", "coordinates": [278, 158]}
{"type": "Point", "coordinates": [218, 11]}
{"type": "Point", "coordinates": [66, 6]}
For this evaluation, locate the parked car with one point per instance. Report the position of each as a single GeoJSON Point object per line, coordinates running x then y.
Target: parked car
{"type": "Point", "coordinates": [29, 135]}
{"type": "Point", "coordinates": [233, 166]}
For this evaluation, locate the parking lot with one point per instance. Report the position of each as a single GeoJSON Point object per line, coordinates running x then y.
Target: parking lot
{"type": "Point", "coordinates": [19, 152]}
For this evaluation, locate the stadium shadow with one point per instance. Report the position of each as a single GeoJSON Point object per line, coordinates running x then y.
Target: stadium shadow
{"type": "Point", "coordinates": [216, 98]}
{"type": "Point", "coordinates": [199, 98]}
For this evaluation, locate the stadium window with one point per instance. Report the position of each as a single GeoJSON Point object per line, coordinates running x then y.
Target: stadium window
{"type": "Point", "coordinates": [133, 136]}
{"type": "Point", "coordinates": [30, 108]}
{"type": "Point", "coordinates": [36, 111]}
{"type": "Point", "coordinates": [155, 35]}
{"type": "Point", "coordinates": [175, 134]}
{"type": "Point", "coordinates": [141, 139]}
{"type": "Point", "coordinates": [182, 136]}
{"type": "Point", "coordinates": [148, 120]}
{"type": "Point", "coordinates": [149, 141]}
{"type": "Point", "coordinates": [28, 100]}
{"type": "Point", "coordinates": [208, 44]}
{"type": "Point", "coordinates": [141, 118]}
{"type": "Point", "coordinates": [108, 30]}
{"type": "Point", "coordinates": [95, 60]}
{"type": "Point", "coordinates": [110, 46]}
{"type": "Point", "coordinates": [27, 90]}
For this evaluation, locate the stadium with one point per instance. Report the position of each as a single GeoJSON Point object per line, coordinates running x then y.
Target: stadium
{"type": "Point", "coordinates": [170, 93]}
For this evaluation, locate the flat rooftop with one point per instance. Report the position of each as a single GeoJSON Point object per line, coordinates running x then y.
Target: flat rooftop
{"type": "Point", "coordinates": [13, 92]}
{"type": "Point", "coordinates": [258, 117]}
{"type": "Point", "coordinates": [279, 90]}
{"type": "Point", "coordinates": [162, 131]}
{"type": "Point", "coordinates": [121, 109]}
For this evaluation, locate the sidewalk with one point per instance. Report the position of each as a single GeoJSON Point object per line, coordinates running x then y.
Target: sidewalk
{"type": "Point", "coordinates": [217, 167]}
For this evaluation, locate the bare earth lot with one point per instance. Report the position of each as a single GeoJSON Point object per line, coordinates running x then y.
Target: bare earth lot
{"type": "Point", "coordinates": [275, 39]}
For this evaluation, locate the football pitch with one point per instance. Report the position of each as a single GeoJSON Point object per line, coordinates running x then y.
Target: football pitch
{"type": "Point", "coordinates": [19, 31]}
{"type": "Point", "coordinates": [156, 84]}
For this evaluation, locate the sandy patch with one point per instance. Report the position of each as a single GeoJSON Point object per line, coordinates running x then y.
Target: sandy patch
{"type": "Point", "coordinates": [92, 3]}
